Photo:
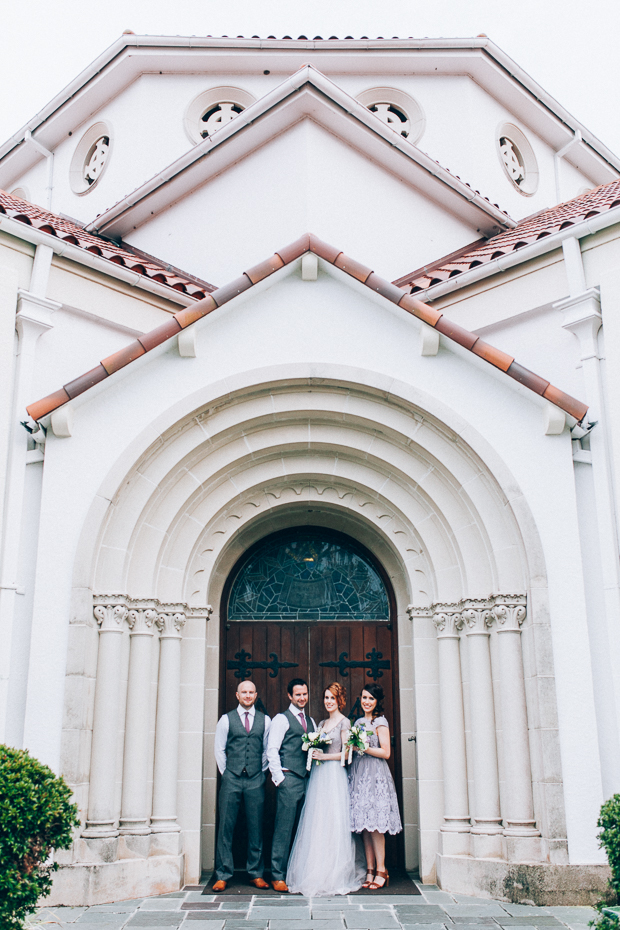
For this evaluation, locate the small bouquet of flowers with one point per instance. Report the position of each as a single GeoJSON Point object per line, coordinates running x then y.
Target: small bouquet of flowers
{"type": "Point", "coordinates": [316, 740]}
{"type": "Point", "coordinates": [357, 739]}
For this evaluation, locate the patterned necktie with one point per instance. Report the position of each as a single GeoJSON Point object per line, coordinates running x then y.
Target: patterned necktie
{"type": "Point", "coordinates": [247, 721]}
{"type": "Point", "coordinates": [302, 719]}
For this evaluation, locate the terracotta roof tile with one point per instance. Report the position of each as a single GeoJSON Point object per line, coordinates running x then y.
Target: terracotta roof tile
{"type": "Point", "coordinates": [538, 226]}
{"type": "Point", "coordinates": [310, 243]}
{"type": "Point", "coordinates": [129, 257]}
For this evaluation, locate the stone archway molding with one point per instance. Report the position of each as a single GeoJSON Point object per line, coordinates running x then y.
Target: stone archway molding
{"type": "Point", "coordinates": [259, 380]}
{"type": "Point", "coordinates": [238, 459]}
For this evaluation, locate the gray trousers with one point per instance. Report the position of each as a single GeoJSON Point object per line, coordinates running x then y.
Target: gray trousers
{"type": "Point", "coordinates": [290, 798]}
{"type": "Point", "coordinates": [232, 789]}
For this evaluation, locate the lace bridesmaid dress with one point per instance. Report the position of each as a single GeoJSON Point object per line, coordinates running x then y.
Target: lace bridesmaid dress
{"type": "Point", "coordinates": [324, 854]}
{"type": "Point", "coordinates": [374, 805]}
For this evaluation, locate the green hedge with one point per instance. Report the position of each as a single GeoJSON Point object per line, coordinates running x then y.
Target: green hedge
{"type": "Point", "coordinates": [609, 839]}
{"type": "Point", "coordinates": [36, 816]}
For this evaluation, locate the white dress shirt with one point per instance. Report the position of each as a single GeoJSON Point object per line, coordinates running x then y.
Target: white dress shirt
{"type": "Point", "coordinates": [277, 732]}
{"type": "Point", "coordinates": [221, 736]}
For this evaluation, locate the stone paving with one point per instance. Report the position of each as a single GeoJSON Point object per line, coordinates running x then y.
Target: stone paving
{"type": "Point", "coordinates": [433, 910]}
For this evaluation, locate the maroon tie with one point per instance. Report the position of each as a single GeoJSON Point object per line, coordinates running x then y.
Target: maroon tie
{"type": "Point", "coordinates": [303, 721]}
{"type": "Point", "coordinates": [247, 721]}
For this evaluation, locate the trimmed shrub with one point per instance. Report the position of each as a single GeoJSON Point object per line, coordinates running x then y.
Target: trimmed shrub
{"type": "Point", "coordinates": [36, 816]}
{"type": "Point", "coordinates": [609, 837]}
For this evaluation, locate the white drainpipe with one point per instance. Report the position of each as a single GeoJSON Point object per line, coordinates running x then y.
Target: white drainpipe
{"type": "Point", "coordinates": [30, 139]}
{"type": "Point", "coordinates": [34, 317]}
{"type": "Point", "coordinates": [582, 316]}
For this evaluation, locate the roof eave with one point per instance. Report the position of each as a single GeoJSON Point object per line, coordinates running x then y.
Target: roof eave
{"type": "Point", "coordinates": [63, 249]}
{"type": "Point", "coordinates": [528, 252]}
{"type": "Point", "coordinates": [418, 169]}
{"type": "Point", "coordinates": [119, 54]}
{"type": "Point", "coordinates": [364, 275]}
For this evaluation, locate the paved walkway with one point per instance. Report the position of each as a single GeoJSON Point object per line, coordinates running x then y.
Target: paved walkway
{"type": "Point", "coordinates": [434, 910]}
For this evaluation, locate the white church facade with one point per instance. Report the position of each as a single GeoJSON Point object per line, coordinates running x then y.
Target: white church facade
{"type": "Point", "coordinates": [249, 318]}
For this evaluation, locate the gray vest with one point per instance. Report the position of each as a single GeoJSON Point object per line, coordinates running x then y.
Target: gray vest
{"type": "Point", "coordinates": [292, 755]}
{"type": "Point", "coordinates": [244, 751]}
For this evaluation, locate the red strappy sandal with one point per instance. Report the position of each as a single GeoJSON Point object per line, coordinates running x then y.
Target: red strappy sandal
{"type": "Point", "coordinates": [370, 880]}
{"type": "Point", "coordinates": [386, 884]}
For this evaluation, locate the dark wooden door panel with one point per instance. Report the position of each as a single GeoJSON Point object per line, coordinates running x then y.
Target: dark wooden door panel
{"type": "Point", "coordinates": [308, 646]}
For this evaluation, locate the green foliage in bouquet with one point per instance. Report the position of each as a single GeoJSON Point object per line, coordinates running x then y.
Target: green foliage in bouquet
{"type": "Point", "coordinates": [36, 816]}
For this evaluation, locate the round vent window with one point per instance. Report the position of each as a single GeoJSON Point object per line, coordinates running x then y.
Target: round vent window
{"type": "Point", "coordinates": [392, 116]}
{"type": "Point", "coordinates": [518, 159]}
{"type": "Point", "coordinates": [90, 158]}
{"type": "Point", "coordinates": [397, 110]}
{"type": "Point", "coordinates": [216, 116]}
{"type": "Point", "coordinates": [212, 109]}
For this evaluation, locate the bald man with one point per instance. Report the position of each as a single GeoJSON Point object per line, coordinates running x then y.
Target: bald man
{"type": "Point", "coordinates": [241, 756]}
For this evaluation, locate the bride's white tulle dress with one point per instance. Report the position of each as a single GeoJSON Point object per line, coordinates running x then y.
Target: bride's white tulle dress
{"type": "Point", "coordinates": [325, 858]}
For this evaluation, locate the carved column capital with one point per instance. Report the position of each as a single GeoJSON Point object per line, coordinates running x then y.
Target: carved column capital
{"type": "Point", "coordinates": [170, 624]}
{"type": "Point", "coordinates": [448, 620]}
{"type": "Point", "coordinates": [140, 622]}
{"type": "Point", "coordinates": [145, 614]}
{"type": "Point", "coordinates": [509, 612]}
{"type": "Point", "coordinates": [477, 616]}
{"type": "Point", "coordinates": [110, 616]}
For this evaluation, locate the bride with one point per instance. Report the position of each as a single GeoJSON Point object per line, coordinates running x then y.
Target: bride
{"type": "Point", "coordinates": [323, 857]}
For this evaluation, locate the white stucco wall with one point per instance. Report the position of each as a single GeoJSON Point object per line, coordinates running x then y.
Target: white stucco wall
{"type": "Point", "coordinates": [318, 329]}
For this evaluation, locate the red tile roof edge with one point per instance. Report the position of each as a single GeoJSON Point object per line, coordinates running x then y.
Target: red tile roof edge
{"type": "Point", "coordinates": [71, 232]}
{"type": "Point", "coordinates": [537, 226]}
{"type": "Point", "coordinates": [309, 243]}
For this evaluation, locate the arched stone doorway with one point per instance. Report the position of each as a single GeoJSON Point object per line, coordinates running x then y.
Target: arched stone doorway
{"type": "Point", "coordinates": [431, 501]}
{"type": "Point", "coordinates": [313, 603]}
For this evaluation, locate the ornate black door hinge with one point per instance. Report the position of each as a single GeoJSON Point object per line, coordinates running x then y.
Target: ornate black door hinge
{"type": "Point", "coordinates": [244, 667]}
{"type": "Point", "coordinates": [374, 666]}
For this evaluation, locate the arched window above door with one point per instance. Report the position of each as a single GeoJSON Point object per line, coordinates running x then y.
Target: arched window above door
{"type": "Point", "coordinates": [308, 574]}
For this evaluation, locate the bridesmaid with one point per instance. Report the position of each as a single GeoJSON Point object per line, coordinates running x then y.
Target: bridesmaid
{"type": "Point", "coordinates": [374, 806]}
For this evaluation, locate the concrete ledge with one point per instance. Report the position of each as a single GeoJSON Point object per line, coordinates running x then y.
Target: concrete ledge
{"type": "Point", "coordinates": [84, 884]}
{"type": "Point", "coordinates": [523, 883]}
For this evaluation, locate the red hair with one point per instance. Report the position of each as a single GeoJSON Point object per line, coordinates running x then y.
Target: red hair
{"type": "Point", "coordinates": [339, 693]}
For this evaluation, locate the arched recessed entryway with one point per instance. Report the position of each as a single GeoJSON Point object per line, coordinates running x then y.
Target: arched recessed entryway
{"type": "Point", "coordinates": [436, 512]}
{"type": "Point", "coordinates": [314, 603]}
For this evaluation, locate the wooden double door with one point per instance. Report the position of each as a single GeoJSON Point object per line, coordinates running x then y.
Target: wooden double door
{"type": "Point", "coordinates": [271, 653]}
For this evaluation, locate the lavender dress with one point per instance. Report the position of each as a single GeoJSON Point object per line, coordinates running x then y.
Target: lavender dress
{"type": "Point", "coordinates": [374, 805]}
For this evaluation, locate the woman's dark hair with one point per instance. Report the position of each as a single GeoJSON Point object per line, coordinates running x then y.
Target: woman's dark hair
{"type": "Point", "coordinates": [293, 683]}
{"type": "Point", "coordinates": [377, 693]}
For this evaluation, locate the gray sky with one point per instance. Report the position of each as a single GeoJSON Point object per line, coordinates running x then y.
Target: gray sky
{"type": "Point", "coordinates": [568, 46]}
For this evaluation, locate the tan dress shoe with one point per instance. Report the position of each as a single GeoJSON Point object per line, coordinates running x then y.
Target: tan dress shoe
{"type": "Point", "coordinates": [279, 886]}
{"type": "Point", "coordinates": [259, 883]}
{"type": "Point", "coordinates": [220, 886]}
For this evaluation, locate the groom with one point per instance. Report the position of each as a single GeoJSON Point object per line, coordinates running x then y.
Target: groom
{"type": "Point", "coordinates": [287, 764]}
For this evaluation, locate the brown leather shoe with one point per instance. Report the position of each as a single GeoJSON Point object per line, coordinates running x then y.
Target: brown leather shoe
{"type": "Point", "coordinates": [259, 883]}
{"type": "Point", "coordinates": [219, 886]}
{"type": "Point", "coordinates": [279, 886]}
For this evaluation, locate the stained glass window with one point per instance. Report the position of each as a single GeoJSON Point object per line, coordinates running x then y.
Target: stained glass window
{"type": "Point", "coordinates": [308, 575]}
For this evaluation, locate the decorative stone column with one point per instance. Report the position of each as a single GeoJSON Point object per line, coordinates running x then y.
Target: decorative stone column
{"type": "Point", "coordinates": [101, 820]}
{"type": "Point", "coordinates": [518, 808]}
{"type": "Point", "coordinates": [134, 808]}
{"type": "Point", "coordinates": [455, 832]}
{"type": "Point", "coordinates": [487, 829]}
{"type": "Point", "coordinates": [164, 816]}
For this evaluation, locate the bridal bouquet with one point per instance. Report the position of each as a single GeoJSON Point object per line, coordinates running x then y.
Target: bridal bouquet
{"type": "Point", "coordinates": [357, 739]}
{"type": "Point", "coordinates": [316, 740]}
